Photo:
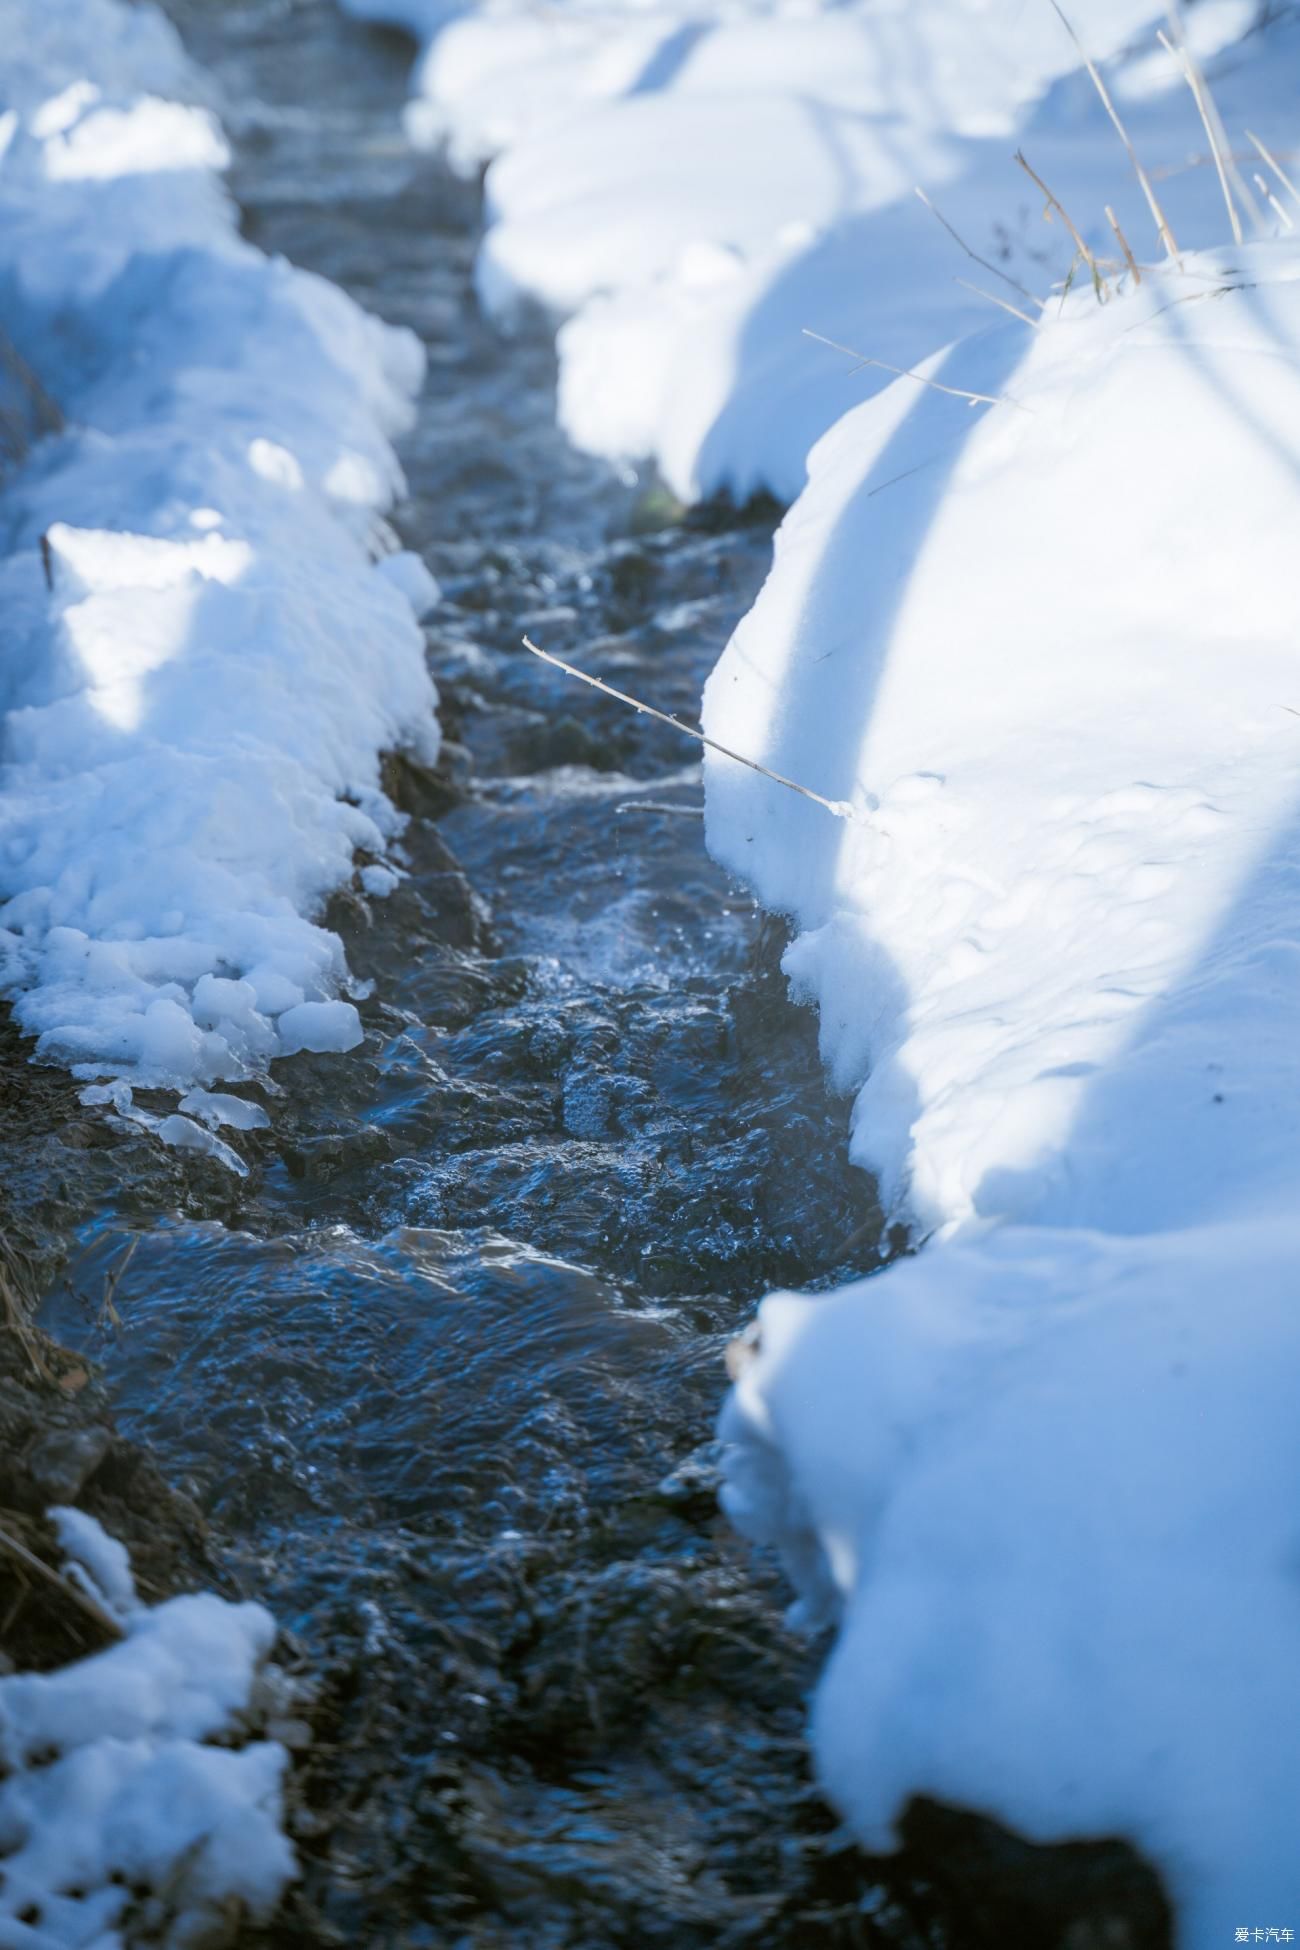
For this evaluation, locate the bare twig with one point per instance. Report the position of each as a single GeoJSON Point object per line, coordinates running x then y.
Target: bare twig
{"type": "Point", "coordinates": [1153, 204]}
{"type": "Point", "coordinates": [1001, 303]}
{"type": "Point", "coordinates": [839, 807]}
{"type": "Point", "coordinates": [974, 255]}
{"type": "Point", "coordinates": [1193, 80]}
{"type": "Point", "coordinates": [1274, 165]}
{"type": "Point", "coordinates": [1129, 258]}
{"type": "Point", "coordinates": [658, 806]}
{"type": "Point", "coordinates": [1099, 284]}
{"type": "Point", "coordinates": [64, 1586]}
{"type": "Point", "coordinates": [902, 372]}
{"type": "Point", "coordinates": [107, 1306]}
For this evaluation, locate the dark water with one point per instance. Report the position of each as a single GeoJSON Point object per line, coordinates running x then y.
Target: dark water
{"type": "Point", "coordinates": [443, 1369]}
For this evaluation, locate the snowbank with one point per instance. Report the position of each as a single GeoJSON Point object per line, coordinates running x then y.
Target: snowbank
{"type": "Point", "coordinates": [204, 661]}
{"type": "Point", "coordinates": [694, 185]}
{"type": "Point", "coordinates": [117, 1813]}
{"type": "Point", "coordinates": [1044, 1474]}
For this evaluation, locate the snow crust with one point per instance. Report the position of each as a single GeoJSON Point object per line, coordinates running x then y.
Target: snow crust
{"type": "Point", "coordinates": [204, 658]}
{"type": "Point", "coordinates": [117, 1814]}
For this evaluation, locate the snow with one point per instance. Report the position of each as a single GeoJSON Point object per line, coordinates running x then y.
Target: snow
{"type": "Point", "coordinates": [1040, 1477]}
{"type": "Point", "coordinates": [114, 1800]}
{"type": "Point", "coordinates": [691, 187]}
{"type": "Point", "coordinates": [1045, 1479]}
{"type": "Point", "coordinates": [205, 659]}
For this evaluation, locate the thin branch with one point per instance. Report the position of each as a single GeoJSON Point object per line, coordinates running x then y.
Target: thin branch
{"type": "Point", "coordinates": [1275, 166]}
{"type": "Point", "coordinates": [1129, 258]}
{"type": "Point", "coordinates": [1098, 282]}
{"type": "Point", "coordinates": [1001, 303]}
{"type": "Point", "coordinates": [1192, 79]}
{"type": "Point", "coordinates": [839, 807]}
{"type": "Point", "coordinates": [1153, 203]}
{"type": "Point", "coordinates": [975, 256]}
{"type": "Point", "coordinates": [902, 372]}
{"type": "Point", "coordinates": [64, 1586]}
{"type": "Point", "coordinates": [658, 806]}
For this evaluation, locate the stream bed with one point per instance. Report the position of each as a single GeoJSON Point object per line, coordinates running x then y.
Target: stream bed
{"type": "Point", "coordinates": [441, 1371]}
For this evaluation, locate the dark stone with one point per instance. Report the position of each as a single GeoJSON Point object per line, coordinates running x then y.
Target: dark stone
{"type": "Point", "coordinates": [63, 1461]}
{"type": "Point", "coordinates": [1002, 1890]}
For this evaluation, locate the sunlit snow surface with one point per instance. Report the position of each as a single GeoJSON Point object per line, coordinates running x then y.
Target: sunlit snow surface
{"type": "Point", "coordinates": [693, 186]}
{"type": "Point", "coordinates": [116, 1809]}
{"type": "Point", "coordinates": [203, 663]}
{"type": "Point", "coordinates": [1043, 1475]}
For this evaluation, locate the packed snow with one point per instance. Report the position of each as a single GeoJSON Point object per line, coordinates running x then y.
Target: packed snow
{"type": "Point", "coordinates": [119, 1817]}
{"type": "Point", "coordinates": [1032, 617]}
{"type": "Point", "coordinates": [205, 660]}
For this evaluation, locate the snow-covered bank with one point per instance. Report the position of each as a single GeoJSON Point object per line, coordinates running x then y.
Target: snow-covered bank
{"type": "Point", "coordinates": [121, 1820]}
{"type": "Point", "coordinates": [204, 661]}
{"type": "Point", "coordinates": [694, 185]}
{"type": "Point", "coordinates": [1044, 1474]}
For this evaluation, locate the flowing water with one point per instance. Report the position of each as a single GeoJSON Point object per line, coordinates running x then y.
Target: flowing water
{"type": "Point", "coordinates": [442, 1370]}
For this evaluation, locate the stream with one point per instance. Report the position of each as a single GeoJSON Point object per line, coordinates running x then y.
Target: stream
{"type": "Point", "coordinates": [442, 1370]}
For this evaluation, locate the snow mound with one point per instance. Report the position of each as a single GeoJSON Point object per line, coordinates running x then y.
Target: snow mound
{"type": "Point", "coordinates": [1042, 1475]}
{"type": "Point", "coordinates": [692, 186]}
{"type": "Point", "coordinates": [205, 660]}
{"type": "Point", "coordinates": [1045, 1483]}
{"type": "Point", "coordinates": [119, 1820]}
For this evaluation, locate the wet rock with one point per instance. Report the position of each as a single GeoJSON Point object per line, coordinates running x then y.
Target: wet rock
{"type": "Point", "coordinates": [552, 742]}
{"type": "Point", "coordinates": [1001, 1889]}
{"type": "Point", "coordinates": [63, 1461]}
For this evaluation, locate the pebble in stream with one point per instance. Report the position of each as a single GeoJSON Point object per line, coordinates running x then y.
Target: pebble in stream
{"type": "Point", "coordinates": [443, 1368]}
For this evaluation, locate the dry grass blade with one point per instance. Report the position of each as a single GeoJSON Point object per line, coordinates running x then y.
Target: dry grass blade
{"type": "Point", "coordinates": [1153, 202]}
{"type": "Point", "coordinates": [16, 1319]}
{"type": "Point", "coordinates": [1099, 283]}
{"type": "Point", "coordinates": [974, 255]}
{"type": "Point", "coordinates": [1193, 79]}
{"type": "Point", "coordinates": [1001, 303]}
{"type": "Point", "coordinates": [1283, 215]}
{"type": "Point", "coordinates": [839, 807]}
{"type": "Point", "coordinates": [64, 1586]}
{"type": "Point", "coordinates": [1274, 165]}
{"type": "Point", "coordinates": [902, 372]}
{"type": "Point", "coordinates": [1122, 240]}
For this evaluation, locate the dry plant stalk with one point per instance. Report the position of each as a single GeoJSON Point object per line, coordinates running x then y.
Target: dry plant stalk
{"type": "Point", "coordinates": [1283, 216]}
{"type": "Point", "coordinates": [902, 372]}
{"type": "Point", "coordinates": [1129, 258]}
{"type": "Point", "coordinates": [1153, 203]}
{"type": "Point", "coordinates": [975, 256]}
{"type": "Point", "coordinates": [1193, 79]}
{"type": "Point", "coordinates": [16, 1320]}
{"type": "Point", "coordinates": [1099, 283]}
{"type": "Point", "coordinates": [1275, 166]}
{"type": "Point", "coordinates": [1001, 303]}
{"type": "Point", "coordinates": [839, 807]}
{"type": "Point", "coordinates": [64, 1586]}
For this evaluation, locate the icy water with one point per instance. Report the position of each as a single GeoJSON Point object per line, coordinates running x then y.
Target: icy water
{"type": "Point", "coordinates": [443, 1369]}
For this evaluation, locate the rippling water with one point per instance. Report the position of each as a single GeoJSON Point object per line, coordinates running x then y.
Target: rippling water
{"type": "Point", "coordinates": [443, 1369]}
